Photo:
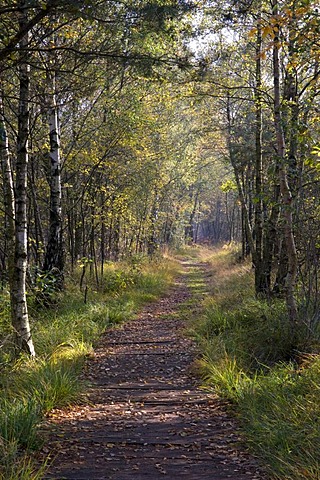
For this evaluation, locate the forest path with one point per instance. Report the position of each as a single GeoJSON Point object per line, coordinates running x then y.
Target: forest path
{"type": "Point", "coordinates": [146, 417]}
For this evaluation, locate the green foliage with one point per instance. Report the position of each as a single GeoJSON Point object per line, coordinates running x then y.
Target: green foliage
{"type": "Point", "coordinates": [281, 419]}
{"type": "Point", "coordinates": [279, 412]}
{"type": "Point", "coordinates": [256, 332]}
{"type": "Point", "coordinates": [116, 281]}
{"type": "Point", "coordinates": [226, 375]}
{"type": "Point", "coordinates": [228, 186]}
{"type": "Point", "coordinates": [45, 287]}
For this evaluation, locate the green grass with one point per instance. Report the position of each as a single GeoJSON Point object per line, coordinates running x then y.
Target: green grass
{"type": "Point", "coordinates": [249, 357]}
{"type": "Point", "coordinates": [281, 412]}
{"type": "Point", "coordinates": [64, 335]}
{"type": "Point", "coordinates": [22, 469]}
{"type": "Point", "coordinates": [19, 419]}
{"type": "Point", "coordinates": [51, 383]}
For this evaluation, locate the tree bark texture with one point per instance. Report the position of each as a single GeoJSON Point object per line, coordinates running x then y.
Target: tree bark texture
{"type": "Point", "coordinates": [286, 196]}
{"type": "Point", "coordinates": [262, 285]}
{"type": "Point", "coordinates": [245, 212]}
{"type": "Point", "coordinates": [54, 258]}
{"type": "Point", "coordinates": [8, 191]}
{"type": "Point", "coordinates": [19, 309]}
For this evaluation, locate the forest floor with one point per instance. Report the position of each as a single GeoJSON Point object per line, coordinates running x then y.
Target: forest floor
{"type": "Point", "coordinates": [146, 416]}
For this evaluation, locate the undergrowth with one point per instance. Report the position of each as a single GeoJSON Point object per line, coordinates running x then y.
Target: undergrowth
{"type": "Point", "coordinates": [249, 357]}
{"type": "Point", "coordinates": [64, 334]}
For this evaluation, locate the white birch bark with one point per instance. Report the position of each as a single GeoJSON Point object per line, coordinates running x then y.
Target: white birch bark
{"type": "Point", "coordinates": [19, 309]}
{"type": "Point", "coordinates": [54, 252]}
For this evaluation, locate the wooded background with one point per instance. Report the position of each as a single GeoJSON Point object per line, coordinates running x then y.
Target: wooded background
{"type": "Point", "coordinates": [126, 127]}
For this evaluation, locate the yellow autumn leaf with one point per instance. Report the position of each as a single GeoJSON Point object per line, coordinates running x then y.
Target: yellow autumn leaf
{"type": "Point", "coordinates": [266, 31]}
{"type": "Point", "coordinates": [252, 33]}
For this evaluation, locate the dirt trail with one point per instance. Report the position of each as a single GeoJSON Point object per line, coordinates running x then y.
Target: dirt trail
{"type": "Point", "coordinates": [146, 417]}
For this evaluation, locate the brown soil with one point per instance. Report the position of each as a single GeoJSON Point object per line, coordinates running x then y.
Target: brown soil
{"type": "Point", "coordinates": [146, 417]}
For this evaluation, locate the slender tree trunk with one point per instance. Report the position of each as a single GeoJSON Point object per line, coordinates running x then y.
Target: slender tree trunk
{"type": "Point", "coordinates": [292, 106]}
{"type": "Point", "coordinates": [54, 257]}
{"type": "Point", "coordinates": [115, 238]}
{"type": "Point", "coordinates": [152, 240]}
{"type": "Point", "coordinates": [286, 195]}
{"type": "Point", "coordinates": [189, 231]}
{"type": "Point", "coordinates": [245, 211]}
{"type": "Point", "coordinates": [92, 247]}
{"type": "Point", "coordinates": [19, 309]}
{"type": "Point", "coordinates": [71, 229]}
{"type": "Point", "coordinates": [102, 246]}
{"type": "Point", "coordinates": [279, 286]}
{"type": "Point", "coordinates": [102, 232]}
{"type": "Point", "coordinates": [8, 192]}
{"type": "Point", "coordinates": [39, 239]}
{"type": "Point", "coordinates": [271, 234]}
{"type": "Point", "coordinates": [196, 233]}
{"type": "Point", "coordinates": [262, 285]}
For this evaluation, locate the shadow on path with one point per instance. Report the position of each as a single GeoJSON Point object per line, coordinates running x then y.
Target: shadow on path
{"type": "Point", "coordinates": [146, 417]}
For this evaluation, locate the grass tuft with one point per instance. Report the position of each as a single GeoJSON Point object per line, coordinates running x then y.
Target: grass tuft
{"type": "Point", "coordinates": [14, 465]}
{"type": "Point", "coordinates": [18, 422]}
{"type": "Point", "coordinates": [51, 384]}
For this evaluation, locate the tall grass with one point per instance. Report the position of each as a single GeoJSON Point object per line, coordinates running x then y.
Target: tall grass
{"type": "Point", "coordinates": [15, 465]}
{"type": "Point", "coordinates": [64, 336]}
{"type": "Point", "coordinates": [18, 421]}
{"type": "Point", "coordinates": [248, 357]}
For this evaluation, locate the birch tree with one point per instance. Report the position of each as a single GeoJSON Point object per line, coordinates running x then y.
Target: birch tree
{"type": "Point", "coordinates": [54, 257]}
{"type": "Point", "coordinates": [8, 191]}
{"type": "Point", "coordinates": [19, 308]}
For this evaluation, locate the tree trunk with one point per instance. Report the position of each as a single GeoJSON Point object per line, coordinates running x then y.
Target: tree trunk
{"type": "Point", "coordinates": [286, 196]}
{"type": "Point", "coordinates": [19, 309]}
{"type": "Point", "coordinates": [189, 230]}
{"type": "Point", "coordinates": [262, 285]}
{"type": "Point", "coordinates": [152, 240]}
{"type": "Point", "coordinates": [279, 287]}
{"type": "Point", "coordinates": [8, 191]}
{"type": "Point", "coordinates": [115, 238]}
{"type": "Point", "coordinates": [38, 232]}
{"type": "Point", "coordinates": [245, 211]}
{"type": "Point", "coordinates": [270, 239]}
{"type": "Point", "coordinates": [54, 257]}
